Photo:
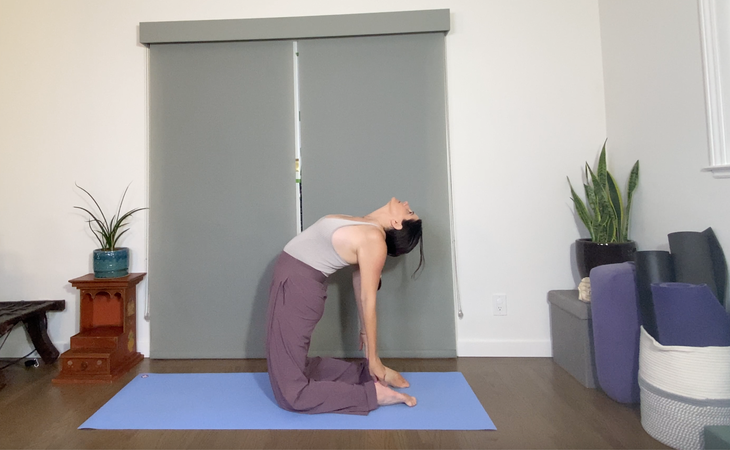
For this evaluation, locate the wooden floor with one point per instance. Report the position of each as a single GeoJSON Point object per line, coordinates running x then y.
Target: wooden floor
{"type": "Point", "coordinates": [532, 401]}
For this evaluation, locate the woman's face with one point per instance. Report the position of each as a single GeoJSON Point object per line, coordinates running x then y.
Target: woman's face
{"type": "Point", "coordinates": [401, 210]}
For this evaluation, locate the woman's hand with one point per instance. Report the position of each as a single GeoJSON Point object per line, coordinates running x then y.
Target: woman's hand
{"type": "Point", "coordinates": [387, 376]}
{"type": "Point", "coordinates": [377, 371]}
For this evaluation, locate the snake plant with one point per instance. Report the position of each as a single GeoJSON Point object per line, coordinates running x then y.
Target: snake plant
{"type": "Point", "coordinates": [606, 216]}
{"type": "Point", "coordinates": [108, 232]}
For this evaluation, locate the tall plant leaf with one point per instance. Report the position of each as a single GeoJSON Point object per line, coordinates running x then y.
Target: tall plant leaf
{"type": "Point", "coordinates": [582, 211]}
{"type": "Point", "coordinates": [591, 194]}
{"type": "Point", "coordinates": [97, 204]}
{"type": "Point", "coordinates": [607, 220]}
{"type": "Point", "coordinates": [614, 196]}
{"type": "Point", "coordinates": [632, 184]}
{"type": "Point", "coordinates": [602, 170]}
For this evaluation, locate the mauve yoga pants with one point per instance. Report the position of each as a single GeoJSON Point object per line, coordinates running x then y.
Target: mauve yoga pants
{"type": "Point", "coordinates": [300, 383]}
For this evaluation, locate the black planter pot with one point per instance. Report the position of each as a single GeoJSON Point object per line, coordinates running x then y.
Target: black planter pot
{"type": "Point", "coordinates": [588, 254]}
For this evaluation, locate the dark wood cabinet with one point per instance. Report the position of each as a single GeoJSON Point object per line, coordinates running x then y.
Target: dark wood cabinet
{"type": "Point", "coordinates": [106, 346]}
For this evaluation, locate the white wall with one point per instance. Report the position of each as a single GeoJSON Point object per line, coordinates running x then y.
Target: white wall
{"type": "Point", "coordinates": [655, 112]}
{"type": "Point", "coordinates": [526, 108]}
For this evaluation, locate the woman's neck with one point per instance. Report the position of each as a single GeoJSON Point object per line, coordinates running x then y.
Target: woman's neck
{"type": "Point", "coordinates": [381, 216]}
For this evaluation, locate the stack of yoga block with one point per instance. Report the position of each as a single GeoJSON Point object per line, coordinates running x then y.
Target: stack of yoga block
{"type": "Point", "coordinates": [661, 335]}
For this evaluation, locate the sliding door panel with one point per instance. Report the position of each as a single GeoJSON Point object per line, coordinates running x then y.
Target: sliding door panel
{"type": "Point", "coordinates": [222, 202]}
{"type": "Point", "coordinates": [373, 126]}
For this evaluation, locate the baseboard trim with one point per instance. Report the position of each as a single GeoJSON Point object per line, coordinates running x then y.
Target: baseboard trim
{"type": "Point", "coordinates": [441, 353]}
{"type": "Point", "coordinates": [504, 348]}
{"type": "Point", "coordinates": [323, 353]}
{"type": "Point", "coordinates": [465, 348]}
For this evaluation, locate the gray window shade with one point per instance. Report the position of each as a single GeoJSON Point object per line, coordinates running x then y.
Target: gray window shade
{"type": "Point", "coordinates": [373, 126]}
{"type": "Point", "coordinates": [222, 202]}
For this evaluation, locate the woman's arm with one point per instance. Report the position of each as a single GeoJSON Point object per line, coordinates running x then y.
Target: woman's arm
{"type": "Point", "coordinates": [356, 286]}
{"type": "Point", "coordinates": [392, 378]}
{"type": "Point", "coordinates": [371, 254]}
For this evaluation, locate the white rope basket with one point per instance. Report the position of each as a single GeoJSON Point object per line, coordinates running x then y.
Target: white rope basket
{"type": "Point", "coordinates": [694, 372]}
{"type": "Point", "coordinates": [683, 389]}
{"type": "Point", "coordinates": [679, 422]}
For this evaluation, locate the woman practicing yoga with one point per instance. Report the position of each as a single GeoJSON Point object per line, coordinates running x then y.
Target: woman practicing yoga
{"type": "Point", "coordinates": [296, 303]}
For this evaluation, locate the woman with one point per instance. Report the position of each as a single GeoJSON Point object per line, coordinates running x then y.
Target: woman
{"type": "Point", "coordinates": [296, 303]}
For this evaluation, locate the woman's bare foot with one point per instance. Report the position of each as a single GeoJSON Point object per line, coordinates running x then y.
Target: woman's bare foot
{"type": "Point", "coordinates": [395, 379]}
{"type": "Point", "coordinates": [387, 396]}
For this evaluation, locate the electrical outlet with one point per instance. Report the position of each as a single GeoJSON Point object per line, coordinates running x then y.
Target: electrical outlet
{"type": "Point", "coordinates": [499, 304]}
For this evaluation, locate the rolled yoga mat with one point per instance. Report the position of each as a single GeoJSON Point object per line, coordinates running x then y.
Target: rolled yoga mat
{"type": "Point", "coordinates": [719, 264]}
{"type": "Point", "coordinates": [651, 267]}
{"type": "Point", "coordinates": [689, 315]}
{"type": "Point", "coordinates": [692, 259]}
{"type": "Point", "coordinates": [245, 401]}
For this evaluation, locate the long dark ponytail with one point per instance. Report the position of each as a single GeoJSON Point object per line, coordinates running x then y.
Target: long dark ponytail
{"type": "Point", "coordinates": [400, 242]}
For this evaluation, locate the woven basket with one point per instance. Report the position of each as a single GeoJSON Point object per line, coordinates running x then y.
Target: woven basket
{"type": "Point", "coordinates": [683, 389]}
{"type": "Point", "coordinates": [679, 422]}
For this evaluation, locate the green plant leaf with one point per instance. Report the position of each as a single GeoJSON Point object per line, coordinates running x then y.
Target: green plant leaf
{"type": "Point", "coordinates": [602, 170]}
{"type": "Point", "coordinates": [96, 233]}
{"type": "Point", "coordinates": [614, 197]}
{"type": "Point", "coordinates": [604, 212]}
{"type": "Point", "coordinates": [94, 200]}
{"type": "Point", "coordinates": [116, 237]}
{"type": "Point", "coordinates": [581, 209]}
{"type": "Point", "coordinates": [632, 184]}
{"type": "Point", "coordinates": [108, 232]}
{"type": "Point", "coordinates": [591, 194]}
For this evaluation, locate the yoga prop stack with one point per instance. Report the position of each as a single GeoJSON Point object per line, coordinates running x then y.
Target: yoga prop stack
{"type": "Point", "coordinates": [662, 337]}
{"type": "Point", "coordinates": [693, 258]}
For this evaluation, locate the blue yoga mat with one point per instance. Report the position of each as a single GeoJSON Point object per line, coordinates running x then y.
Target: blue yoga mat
{"type": "Point", "coordinates": [244, 401]}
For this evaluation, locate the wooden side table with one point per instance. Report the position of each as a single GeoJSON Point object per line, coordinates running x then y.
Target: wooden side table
{"type": "Point", "coordinates": [105, 347]}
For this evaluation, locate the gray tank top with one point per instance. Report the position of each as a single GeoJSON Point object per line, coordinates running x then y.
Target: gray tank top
{"type": "Point", "coordinates": [313, 246]}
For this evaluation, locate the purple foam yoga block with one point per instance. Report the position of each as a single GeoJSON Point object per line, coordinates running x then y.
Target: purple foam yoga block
{"type": "Point", "coordinates": [689, 315]}
{"type": "Point", "coordinates": [616, 324]}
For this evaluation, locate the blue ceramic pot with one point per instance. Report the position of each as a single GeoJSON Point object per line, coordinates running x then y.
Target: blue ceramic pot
{"type": "Point", "coordinates": [111, 264]}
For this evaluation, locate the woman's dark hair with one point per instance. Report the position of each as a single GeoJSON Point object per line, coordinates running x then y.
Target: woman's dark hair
{"type": "Point", "coordinates": [400, 242]}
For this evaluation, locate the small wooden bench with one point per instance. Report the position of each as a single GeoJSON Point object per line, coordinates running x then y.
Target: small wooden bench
{"type": "Point", "coordinates": [33, 316]}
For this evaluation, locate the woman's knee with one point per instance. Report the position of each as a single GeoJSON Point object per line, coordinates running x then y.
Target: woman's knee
{"type": "Point", "coordinates": [292, 402]}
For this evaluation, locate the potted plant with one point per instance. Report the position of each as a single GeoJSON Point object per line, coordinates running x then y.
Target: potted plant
{"type": "Point", "coordinates": [606, 216]}
{"type": "Point", "coordinates": [110, 261]}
